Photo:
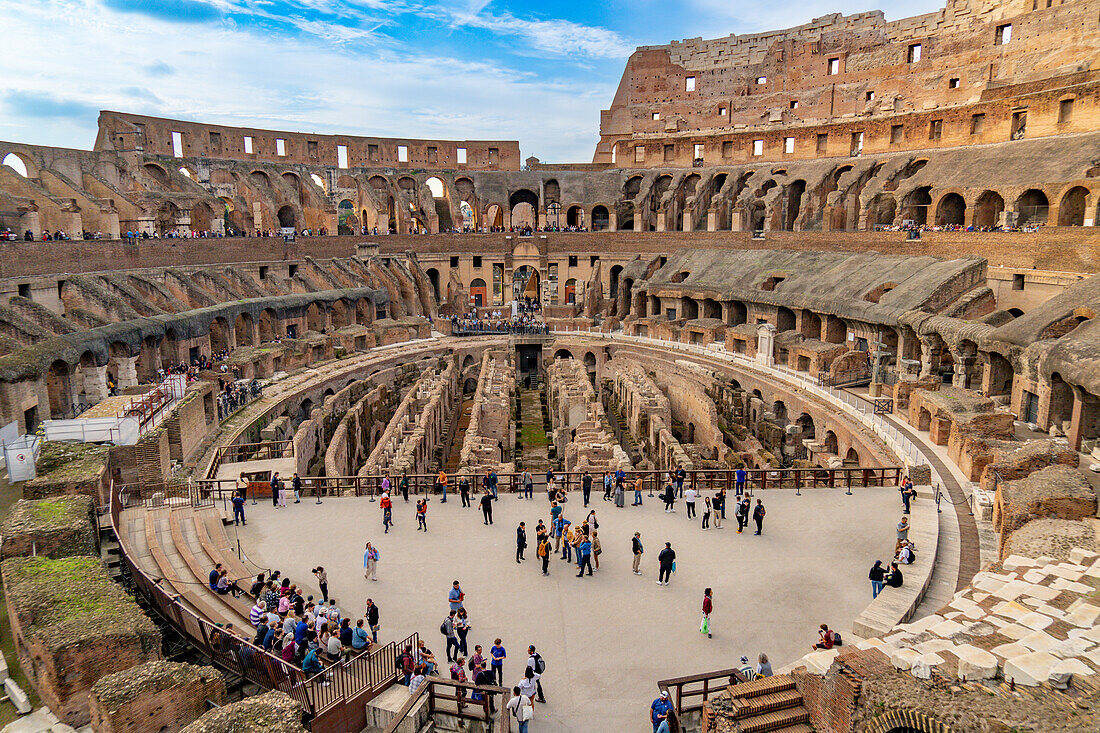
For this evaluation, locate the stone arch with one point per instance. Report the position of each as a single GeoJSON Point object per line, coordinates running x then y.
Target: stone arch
{"type": "Point", "coordinates": [219, 335]}
{"type": "Point", "coordinates": [915, 205]}
{"type": "Point", "coordinates": [479, 295]}
{"type": "Point", "coordinates": [613, 274]}
{"type": "Point", "coordinates": [364, 312]}
{"type": "Point", "coordinates": [987, 210]}
{"type": "Point", "coordinates": [287, 217]}
{"type": "Point", "coordinates": [523, 206]}
{"type": "Point", "coordinates": [571, 291]}
{"type": "Point", "coordinates": [779, 411]}
{"type": "Point", "coordinates": [711, 309]}
{"type": "Point", "coordinates": [830, 443]}
{"type": "Point", "coordinates": [851, 456]}
{"type": "Point", "coordinates": [601, 219]}
{"type": "Point", "coordinates": [738, 313]}
{"type": "Point", "coordinates": [805, 421]}
{"type": "Point", "coordinates": [59, 389]}
{"type": "Point", "coordinates": [167, 218]}
{"type": "Point", "coordinates": [304, 409]}
{"type": "Point", "coordinates": [784, 319]}
{"type": "Point", "coordinates": [689, 308]}
{"type": "Point", "coordinates": [338, 314]}
{"type": "Point", "coordinates": [260, 179]}
{"type": "Point", "coordinates": [563, 354]}
{"type": "Point", "coordinates": [1033, 207]}
{"type": "Point", "coordinates": [795, 191]}
{"type": "Point", "coordinates": [202, 217]}
{"type": "Point", "coordinates": [494, 216]}
{"type": "Point", "coordinates": [346, 220]}
{"type": "Point", "coordinates": [242, 329]}
{"type": "Point", "coordinates": [378, 183]}
{"type": "Point", "coordinates": [319, 182]}
{"type": "Point", "coordinates": [574, 216]}
{"type": "Point", "coordinates": [21, 164]}
{"type": "Point", "coordinates": [435, 185]}
{"type": "Point", "coordinates": [951, 210]}
{"type": "Point", "coordinates": [1071, 209]}
{"type": "Point", "coordinates": [315, 318]}
{"type": "Point", "coordinates": [811, 325]}
{"type": "Point", "coordinates": [882, 210]}
{"type": "Point", "coordinates": [157, 173]}
{"type": "Point", "coordinates": [433, 278]}
{"type": "Point", "coordinates": [268, 325]}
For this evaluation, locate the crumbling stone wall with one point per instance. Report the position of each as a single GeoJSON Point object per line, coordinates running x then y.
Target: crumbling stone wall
{"type": "Point", "coordinates": [272, 712]}
{"type": "Point", "coordinates": [71, 468]}
{"type": "Point", "coordinates": [491, 431]}
{"type": "Point", "coordinates": [61, 526]}
{"type": "Point", "coordinates": [154, 696]}
{"type": "Point", "coordinates": [1054, 492]}
{"type": "Point", "coordinates": [578, 422]}
{"type": "Point", "coordinates": [73, 625]}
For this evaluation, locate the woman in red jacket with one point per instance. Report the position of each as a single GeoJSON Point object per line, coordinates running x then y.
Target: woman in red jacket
{"type": "Point", "coordinates": [708, 606]}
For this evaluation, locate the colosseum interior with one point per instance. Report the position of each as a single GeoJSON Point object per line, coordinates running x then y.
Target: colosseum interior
{"type": "Point", "coordinates": [811, 262]}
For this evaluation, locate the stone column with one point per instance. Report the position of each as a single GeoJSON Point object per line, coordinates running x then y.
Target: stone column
{"type": "Point", "coordinates": [931, 348]}
{"type": "Point", "coordinates": [712, 220]}
{"type": "Point", "coordinates": [765, 344]}
{"type": "Point", "coordinates": [95, 382]}
{"type": "Point", "coordinates": [127, 372]}
{"type": "Point", "coordinates": [735, 221]}
{"type": "Point", "coordinates": [662, 221]}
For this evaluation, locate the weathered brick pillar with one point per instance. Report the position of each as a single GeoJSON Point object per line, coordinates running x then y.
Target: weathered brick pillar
{"type": "Point", "coordinates": [127, 372]}
{"type": "Point", "coordinates": [95, 382]}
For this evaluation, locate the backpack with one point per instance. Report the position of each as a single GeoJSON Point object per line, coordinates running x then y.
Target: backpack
{"type": "Point", "coordinates": [443, 628]}
{"type": "Point", "coordinates": [540, 664]}
{"type": "Point", "coordinates": [837, 641]}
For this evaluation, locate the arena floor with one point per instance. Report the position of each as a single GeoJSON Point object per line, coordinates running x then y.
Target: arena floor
{"type": "Point", "coordinates": [606, 639]}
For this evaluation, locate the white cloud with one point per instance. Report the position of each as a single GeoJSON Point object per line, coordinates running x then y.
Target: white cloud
{"type": "Point", "coordinates": [223, 74]}
{"type": "Point", "coordinates": [557, 36]}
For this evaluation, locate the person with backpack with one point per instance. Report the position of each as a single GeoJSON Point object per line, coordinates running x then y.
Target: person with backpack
{"type": "Point", "coordinates": [387, 512]}
{"type": "Point", "coordinates": [743, 507]}
{"type": "Point", "coordinates": [405, 664]}
{"type": "Point", "coordinates": [447, 628]}
{"type": "Point", "coordinates": [829, 638]}
{"type": "Point", "coordinates": [421, 515]}
{"type": "Point", "coordinates": [666, 561]}
{"type": "Point", "coordinates": [758, 516]}
{"type": "Point", "coordinates": [543, 552]}
{"type": "Point", "coordinates": [537, 665]}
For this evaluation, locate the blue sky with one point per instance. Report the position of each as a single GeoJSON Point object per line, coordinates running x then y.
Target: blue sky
{"type": "Point", "coordinates": [402, 68]}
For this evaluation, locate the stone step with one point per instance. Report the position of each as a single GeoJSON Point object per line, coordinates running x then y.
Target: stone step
{"type": "Point", "coordinates": [760, 704]}
{"type": "Point", "coordinates": [775, 720]}
{"type": "Point", "coordinates": [764, 686]}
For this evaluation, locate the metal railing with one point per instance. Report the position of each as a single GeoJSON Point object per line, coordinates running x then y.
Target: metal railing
{"type": "Point", "coordinates": [240, 452]}
{"type": "Point", "coordinates": [331, 697]}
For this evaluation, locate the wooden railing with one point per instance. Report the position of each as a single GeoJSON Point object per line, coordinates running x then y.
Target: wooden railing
{"type": "Point", "coordinates": [334, 699]}
{"type": "Point", "coordinates": [702, 686]}
{"type": "Point", "coordinates": [652, 481]}
{"type": "Point", "coordinates": [455, 698]}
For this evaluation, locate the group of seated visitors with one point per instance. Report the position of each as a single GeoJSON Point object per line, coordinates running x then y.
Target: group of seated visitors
{"type": "Point", "coordinates": [292, 625]}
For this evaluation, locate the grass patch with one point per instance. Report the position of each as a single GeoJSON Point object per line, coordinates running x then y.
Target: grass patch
{"type": "Point", "coordinates": [533, 436]}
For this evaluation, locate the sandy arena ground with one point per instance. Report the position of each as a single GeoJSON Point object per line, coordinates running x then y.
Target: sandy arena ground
{"type": "Point", "coordinates": [606, 639]}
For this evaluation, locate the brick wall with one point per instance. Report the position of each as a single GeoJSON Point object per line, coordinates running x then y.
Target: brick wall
{"type": "Point", "coordinates": [155, 696]}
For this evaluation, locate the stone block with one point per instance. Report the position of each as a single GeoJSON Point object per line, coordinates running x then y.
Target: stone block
{"type": "Point", "coordinates": [1031, 669]}
{"type": "Point", "coordinates": [820, 661]}
{"type": "Point", "coordinates": [1064, 670]}
{"type": "Point", "coordinates": [904, 659]}
{"type": "Point", "coordinates": [1082, 614]}
{"type": "Point", "coordinates": [17, 697]}
{"type": "Point", "coordinates": [1039, 641]}
{"type": "Point", "coordinates": [922, 666]}
{"type": "Point", "coordinates": [1007, 651]}
{"type": "Point", "coordinates": [975, 663]}
{"type": "Point", "coordinates": [1035, 621]}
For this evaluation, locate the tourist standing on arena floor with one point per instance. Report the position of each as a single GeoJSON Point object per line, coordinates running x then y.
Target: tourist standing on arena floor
{"type": "Point", "coordinates": [597, 548]}
{"type": "Point", "coordinates": [296, 484]}
{"type": "Point", "coordinates": [619, 499]}
{"type": "Point", "coordinates": [521, 708]}
{"type": "Point", "coordinates": [487, 507]}
{"type": "Point", "coordinates": [387, 512]}
{"type": "Point", "coordinates": [670, 497]}
{"type": "Point", "coordinates": [637, 490]}
{"type": "Point", "coordinates": [543, 551]}
{"type": "Point", "coordinates": [903, 533]}
{"type": "Point", "coordinates": [741, 477]}
{"type": "Point", "coordinates": [584, 555]}
{"type": "Point", "coordinates": [462, 628]}
{"type": "Point", "coordinates": [743, 507]}
{"type": "Point", "coordinates": [706, 513]}
{"type": "Point", "coordinates": [586, 486]}
{"type": "Point", "coordinates": [536, 664]}
{"type": "Point", "coordinates": [464, 491]}
{"type": "Point", "coordinates": [275, 482]}
{"type": "Point", "coordinates": [238, 509]}
{"type": "Point", "coordinates": [528, 485]}
{"type": "Point", "coordinates": [690, 495]}
{"type": "Point", "coordinates": [637, 550]}
{"type": "Point", "coordinates": [498, 654]}
{"type": "Point", "coordinates": [422, 515]}
{"type": "Point", "coordinates": [322, 582]}
{"type": "Point", "coordinates": [370, 563]}
{"type": "Point", "coordinates": [448, 629]}
{"type": "Point", "coordinates": [708, 607]}
{"type": "Point", "coordinates": [877, 576]}
{"type": "Point", "coordinates": [666, 562]}
{"type": "Point", "coordinates": [658, 712]}
{"type": "Point", "coordinates": [403, 484]}
{"type": "Point", "coordinates": [719, 504]}
{"type": "Point", "coordinates": [455, 596]}
{"type": "Point", "coordinates": [441, 485]}
{"type": "Point", "coordinates": [680, 475]}
{"type": "Point", "coordinates": [758, 516]}
{"type": "Point", "coordinates": [521, 541]}
{"type": "Point", "coordinates": [372, 619]}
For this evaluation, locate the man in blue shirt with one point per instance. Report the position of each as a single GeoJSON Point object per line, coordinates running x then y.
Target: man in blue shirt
{"type": "Point", "coordinates": [584, 556]}
{"type": "Point", "coordinates": [455, 597]}
{"type": "Point", "coordinates": [742, 475]}
{"type": "Point", "coordinates": [212, 581]}
{"type": "Point", "coordinates": [658, 713]}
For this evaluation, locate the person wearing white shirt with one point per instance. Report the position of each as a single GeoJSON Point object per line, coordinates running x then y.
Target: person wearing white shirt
{"type": "Point", "coordinates": [521, 707]}
{"type": "Point", "coordinates": [690, 495]}
{"type": "Point", "coordinates": [528, 686]}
